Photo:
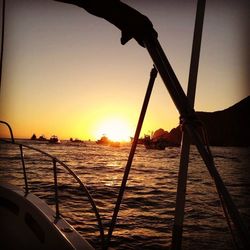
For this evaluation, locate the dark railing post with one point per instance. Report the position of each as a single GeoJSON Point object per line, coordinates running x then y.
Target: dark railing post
{"type": "Point", "coordinates": [56, 188]}
{"type": "Point", "coordinates": [10, 130]}
{"type": "Point", "coordinates": [68, 170]}
{"type": "Point", "coordinates": [24, 170]}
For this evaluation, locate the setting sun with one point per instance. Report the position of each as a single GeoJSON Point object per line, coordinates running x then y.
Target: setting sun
{"type": "Point", "coordinates": [116, 129]}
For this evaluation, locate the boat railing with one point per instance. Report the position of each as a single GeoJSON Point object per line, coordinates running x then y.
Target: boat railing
{"type": "Point", "coordinates": [55, 162]}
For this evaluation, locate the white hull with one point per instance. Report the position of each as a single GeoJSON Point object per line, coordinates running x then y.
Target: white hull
{"type": "Point", "coordinates": [26, 222]}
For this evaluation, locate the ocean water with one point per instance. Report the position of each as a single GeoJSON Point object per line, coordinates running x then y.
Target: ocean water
{"type": "Point", "coordinates": [146, 217]}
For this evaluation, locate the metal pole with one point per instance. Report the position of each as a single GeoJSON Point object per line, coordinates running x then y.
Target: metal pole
{"type": "Point", "coordinates": [187, 113]}
{"type": "Point", "coordinates": [10, 130]}
{"type": "Point", "coordinates": [131, 154]}
{"type": "Point", "coordinates": [56, 189]}
{"type": "Point", "coordinates": [2, 42]}
{"type": "Point", "coordinates": [24, 170]}
{"type": "Point", "coordinates": [184, 159]}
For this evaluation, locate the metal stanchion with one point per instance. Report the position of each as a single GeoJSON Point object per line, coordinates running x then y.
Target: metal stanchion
{"type": "Point", "coordinates": [153, 75]}
{"type": "Point", "coordinates": [56, 189]}
{"type": "Point", "coordinates": [185, 145]}
{"type": "Point", "coordinates": [24, 170]}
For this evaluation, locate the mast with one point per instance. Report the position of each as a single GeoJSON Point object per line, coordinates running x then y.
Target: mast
{"type": "Point", "coordinates": [2, 42]}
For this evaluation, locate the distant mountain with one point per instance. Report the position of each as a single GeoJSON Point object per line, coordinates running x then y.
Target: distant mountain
{"type": "Point", "coordinates": [229, 127]}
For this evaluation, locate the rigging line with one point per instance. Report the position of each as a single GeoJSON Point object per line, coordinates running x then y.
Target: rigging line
{"type": "Point", "coordinates": [221, 188]}
{"type": "Point", "coordinates": [222, 201]}
{"type": "Point", "coordinates": [234, 240]}
{"type": "Point", "coordinates": [2, 42]}
{"type": "Point", "coordinates": [153, 75]}
{"type": "Point", "coordinates": [185, 148]}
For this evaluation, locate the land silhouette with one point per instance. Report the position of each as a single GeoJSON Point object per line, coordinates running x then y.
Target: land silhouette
{"type": "Point", "coordinates": [228, 127]}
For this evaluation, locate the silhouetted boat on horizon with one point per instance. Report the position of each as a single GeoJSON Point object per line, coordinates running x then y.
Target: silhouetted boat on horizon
{"type": "Point", "coordinates": [107, 142]}
{"type": "Point", "coordinates": [54, 140]}
{"type": "Point", "coordinates": [33, 137]}
{"type": "Point", "coordinates": [103, 141]}
{"type": "Point", "coordinates": [42, 138]}
{"type": "Point", "coordinates": [159, 144]}
{"type": "Point", "coordinates": [76, 142]}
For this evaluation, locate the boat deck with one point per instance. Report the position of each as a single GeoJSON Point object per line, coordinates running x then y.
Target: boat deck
{"type": "Point", "coordinates": [27, 222]}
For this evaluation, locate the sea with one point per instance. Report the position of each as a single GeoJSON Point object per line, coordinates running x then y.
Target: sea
{"type": "Point", "coordinates": [146, 217]}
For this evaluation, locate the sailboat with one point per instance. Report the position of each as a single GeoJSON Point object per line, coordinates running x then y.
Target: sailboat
{"type": "Point", "coordinates": [42, 228]}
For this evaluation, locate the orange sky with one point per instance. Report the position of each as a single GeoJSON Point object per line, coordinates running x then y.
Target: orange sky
{"type": "Point", "coordinates": [65, 72]}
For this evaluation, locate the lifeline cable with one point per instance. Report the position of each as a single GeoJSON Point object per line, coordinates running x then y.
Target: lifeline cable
{"type": "Point", "coordinates": [222, 201]}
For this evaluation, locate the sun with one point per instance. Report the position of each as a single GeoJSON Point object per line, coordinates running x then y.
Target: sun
{"type": "Point", "coordinates": [116, 129]}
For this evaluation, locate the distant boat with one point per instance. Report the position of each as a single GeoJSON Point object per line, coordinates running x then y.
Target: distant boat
{"type": "Point", "coordinates": [33, 137]}
{"type": "Point", "coordinates": [159, 144]}
{"type": "Point", "coordinates": [75, 140]}
{"type": "Point", "coordinates": [42, 138]}
{"type": "Point", "coordinates": [103, 141]}
{"type": "Point", "coordinates": [54, 139]}
{"type": "Point", "coordinates": [106, 142]}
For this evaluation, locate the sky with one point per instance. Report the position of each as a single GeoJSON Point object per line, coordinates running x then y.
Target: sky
{"type": "Point", "coordinates": [66, 73]}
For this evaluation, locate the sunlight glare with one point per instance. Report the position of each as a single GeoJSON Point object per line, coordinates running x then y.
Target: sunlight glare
{"type": "Point", "coordinates": [116, 129]}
